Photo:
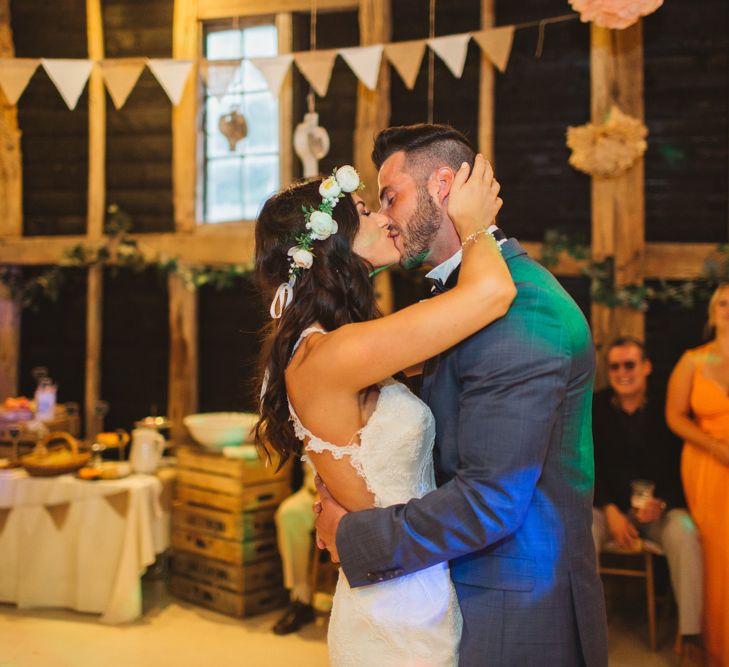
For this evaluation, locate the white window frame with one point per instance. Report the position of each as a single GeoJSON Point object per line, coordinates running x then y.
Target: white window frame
{"type": "Point", "coordinates": [283, 23]}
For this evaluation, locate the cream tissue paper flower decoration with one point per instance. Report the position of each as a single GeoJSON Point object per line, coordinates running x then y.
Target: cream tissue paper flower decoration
{"type": "Point", "coordinates": [615, 14]}
{"type": "Point", "coordinates": [609, 149]}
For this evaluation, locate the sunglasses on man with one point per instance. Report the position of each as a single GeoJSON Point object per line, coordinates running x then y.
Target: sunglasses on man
{"type": "Point", "coordinates": [627, 365]}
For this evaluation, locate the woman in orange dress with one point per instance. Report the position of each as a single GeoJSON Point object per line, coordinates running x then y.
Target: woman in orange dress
{"type": "Point", "coordinates": [697, 410]}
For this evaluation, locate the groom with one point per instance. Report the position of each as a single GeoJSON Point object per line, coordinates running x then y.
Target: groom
{"type": "Point", "coordinates": [513, 449]}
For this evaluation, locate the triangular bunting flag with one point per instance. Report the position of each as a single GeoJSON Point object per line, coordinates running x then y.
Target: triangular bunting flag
{"type": "Point", "coordinates": [317, 67]}
{"type": "Point", "coordinates": [452, 51]}
{"type": "Point", "coordinates": [172, 75]}
{"type": "Point", "coordinates": [218, 75]}
{"type": "Point", "coordinates": [364, 61]}
{"type": "Point", "coordinates": [15, 74]}
{"type": "Point", "coordinates": [496, 44]}
{"type": "Point", "coordinates": [59, 514]}
{"type": "Point", "coordinates": [4, 514]}
{"type": "Point", "coordinates": [69, 77]}
{"type": "Point", "coordinates": [406, 58]}
{"type": "Point", "coordinates": [120, 76]}
{"type": "Point", "coordinates": [274, 70]}
{"type": "Point", "coordinates": [119, 503]}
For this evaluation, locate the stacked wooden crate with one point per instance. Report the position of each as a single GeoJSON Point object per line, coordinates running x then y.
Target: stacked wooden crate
{"type": "Point", "coordinates": [223, 534]}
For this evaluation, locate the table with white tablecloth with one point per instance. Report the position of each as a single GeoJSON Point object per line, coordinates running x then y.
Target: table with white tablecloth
{"type": "Point", "coordinates": [82, 545]}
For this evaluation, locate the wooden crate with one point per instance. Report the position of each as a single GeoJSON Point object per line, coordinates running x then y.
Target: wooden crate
{"type": "Point", "coordinates": [239, 526]}
{"type": "Point", "coordinates": [225, 601]}
{"type": "Point", "coordinates": [241, 500]}
{"type": "Point", "coordinates": [230, 551]}
{"type": "Point", "coordinates": [244, 472]}
{"type": "Point", "coordinates": [246, 579]}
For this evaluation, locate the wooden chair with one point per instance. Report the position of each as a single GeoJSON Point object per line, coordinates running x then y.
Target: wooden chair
{"type": "Point", "coordinates": [645, 557]}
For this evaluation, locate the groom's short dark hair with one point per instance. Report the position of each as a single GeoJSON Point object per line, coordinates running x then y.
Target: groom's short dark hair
{"type": "Point", "coordinates": [424, 144]}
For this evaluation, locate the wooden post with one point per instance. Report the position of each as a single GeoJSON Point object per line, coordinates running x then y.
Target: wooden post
{"type": "Point", "coordinates": [185, 44]}
{"type": "Point", "coordinates": [9, 342]}
{"type": "Point", "coordinates": [486, 90]}
{"type": "Point", "coordinates": [285, 30]}
{"type": "Point", "coordinates": [183, 373]}
{"type": "Point", "coordinates": [183, 380]}
{"type": "Point", "coordinates": [11, 220]}
{"type": "Point", "coordinates": [373, 115]}
{"type": "Point", "coordinates": [95, 213]}
{"type": "Point", "coordinates": [618, 204]}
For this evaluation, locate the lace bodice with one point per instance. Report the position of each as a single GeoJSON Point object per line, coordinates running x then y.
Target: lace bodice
{"type": "Point", "coordinates": [394, 453]}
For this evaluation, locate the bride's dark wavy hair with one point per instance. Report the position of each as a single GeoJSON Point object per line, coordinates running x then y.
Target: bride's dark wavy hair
{"type": "Point", "coordinates": [335, 291]}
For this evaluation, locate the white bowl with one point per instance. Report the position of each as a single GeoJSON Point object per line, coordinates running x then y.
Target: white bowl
{"type": "Point", "coordinates": [221, 429]}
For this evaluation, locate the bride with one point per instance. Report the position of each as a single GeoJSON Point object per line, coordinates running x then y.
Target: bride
{"type": "Point", "coordinates": [328, 391]}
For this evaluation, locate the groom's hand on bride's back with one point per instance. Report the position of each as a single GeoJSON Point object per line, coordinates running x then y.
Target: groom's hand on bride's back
{"type": "Point", "coordinates": [328, 515]}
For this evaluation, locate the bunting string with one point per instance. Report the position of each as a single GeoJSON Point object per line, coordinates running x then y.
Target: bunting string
{"type": "Point", "coordinates": [120, 75]}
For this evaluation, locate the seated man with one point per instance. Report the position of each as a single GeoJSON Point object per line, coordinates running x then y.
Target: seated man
{"type": "Point", "coordinates": [633, 442]}
{"type": "Point", "coordinates": [294, 526]}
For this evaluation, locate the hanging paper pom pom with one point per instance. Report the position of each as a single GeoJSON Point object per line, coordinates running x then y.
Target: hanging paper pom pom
{"type": "Point", "coordinates": [609, 149]}
{"type": "Point", "coordinates": [615, 14]}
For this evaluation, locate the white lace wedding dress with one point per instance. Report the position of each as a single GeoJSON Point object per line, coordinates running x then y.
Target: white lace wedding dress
{"type": "Point", "coordinates": [412, 621]}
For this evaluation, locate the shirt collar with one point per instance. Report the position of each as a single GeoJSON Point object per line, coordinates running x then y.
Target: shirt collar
{"type": "Point", "coordinates": [443, 271]}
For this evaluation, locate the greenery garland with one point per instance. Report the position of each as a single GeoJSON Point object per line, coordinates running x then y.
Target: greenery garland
{"type": "Point", "coordinates": [603, 289]}
{"type": "Point", "coordinates": [119, 250]}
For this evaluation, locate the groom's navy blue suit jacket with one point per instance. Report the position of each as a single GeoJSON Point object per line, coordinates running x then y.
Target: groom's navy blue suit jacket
{"type": "Point", "coordinates": [513, 510]}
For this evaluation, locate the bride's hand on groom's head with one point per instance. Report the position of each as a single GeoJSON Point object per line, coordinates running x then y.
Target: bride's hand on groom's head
{"type": "Point", "coordinates": [473, 200]}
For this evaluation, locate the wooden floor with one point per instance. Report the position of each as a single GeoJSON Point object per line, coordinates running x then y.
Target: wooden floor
{"type": "Point", "coordinates": [175, 634]}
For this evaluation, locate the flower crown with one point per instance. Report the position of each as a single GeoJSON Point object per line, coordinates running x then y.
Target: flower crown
{"type": "Point", "coordinates": [320, 225]}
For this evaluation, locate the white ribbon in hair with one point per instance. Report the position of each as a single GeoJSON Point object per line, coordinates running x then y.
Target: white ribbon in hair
{"type": "Point", "coordinates": [283, 297]}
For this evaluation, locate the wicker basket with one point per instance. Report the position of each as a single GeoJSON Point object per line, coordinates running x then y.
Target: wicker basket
{"type": "Point", "coordinates": [40, 463]}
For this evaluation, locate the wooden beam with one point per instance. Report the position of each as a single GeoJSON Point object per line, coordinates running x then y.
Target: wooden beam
{"type": "Point", "coordinates": [285, 31]}
{"type": "Point", "coordinates": [95, 214]}
{"type": "Point", "coordinates": [186, 45]}
{"type": "Point", "coordinates": [11, 216]}
{"type": "Point", "coordinates": [235, 245]}
{"type": "Point", "coordinates": [11, 191]}
{"type": "Point", "coordinates": [96, 202]}
{"type": "Point", "coordinates": [486, 90]}
{"type": "Point", "coordinates": [9, 342]}
{"type": "Point", "coordinates": [618, 204]}
{"type": "Point", "coordinates": [220, 9]}
{"type": "Point", "coordinates": [92, 385]}
{"type": "Point", "coordinates": [373, 115]}
{"type": "Point", "coordinates": [183, 369]}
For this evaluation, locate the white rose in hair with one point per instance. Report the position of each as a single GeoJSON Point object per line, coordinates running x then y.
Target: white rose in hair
{"type": "Point", "coordinates": [322, 225]}
{"type": "Point", "coordinates": [348, 178]}
{"type": "Point", "coordinates": [329, 188]}
{"type": "Point", "coordinates": [301, 257]}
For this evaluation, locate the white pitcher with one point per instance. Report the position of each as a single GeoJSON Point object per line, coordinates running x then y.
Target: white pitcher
{"type": "Point", "coordinates": [147, 448]}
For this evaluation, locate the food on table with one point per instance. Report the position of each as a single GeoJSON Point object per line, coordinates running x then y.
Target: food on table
{"type": "Point", "coordinates": [89, 473]}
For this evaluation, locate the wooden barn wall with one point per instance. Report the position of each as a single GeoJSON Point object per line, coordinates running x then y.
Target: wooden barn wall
{"type": "Point", "coordinates": [135, 345]}
{"type": "Point", "coordinates": [54, 140]}
{"type": "Point", "coordinates": [454, 101]}
{"type": "Point", "coordinates": [687, 92]}
{"type": "Point", "coordinates": [139, 136]}
{"type": "Point", "coordinates": [687, 166]}
{"type": "Point", "coordinates": [54, 335]}
{"type": "Point", "coordinates": [336, 110]}
{"type": "Point", "coordinates": [535, 101]}
{"type": "Point", "coordinates": [686, 106]}
{"type": "Point", "coordinates": [229, 325]}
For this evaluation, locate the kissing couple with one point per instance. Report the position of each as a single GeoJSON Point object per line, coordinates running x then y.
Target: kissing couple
{"type": "Point", "coordinates": [461, 519]}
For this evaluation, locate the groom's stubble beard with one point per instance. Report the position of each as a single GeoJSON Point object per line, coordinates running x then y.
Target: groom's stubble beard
{"type": "Point", "coordinates": [421, 230]}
